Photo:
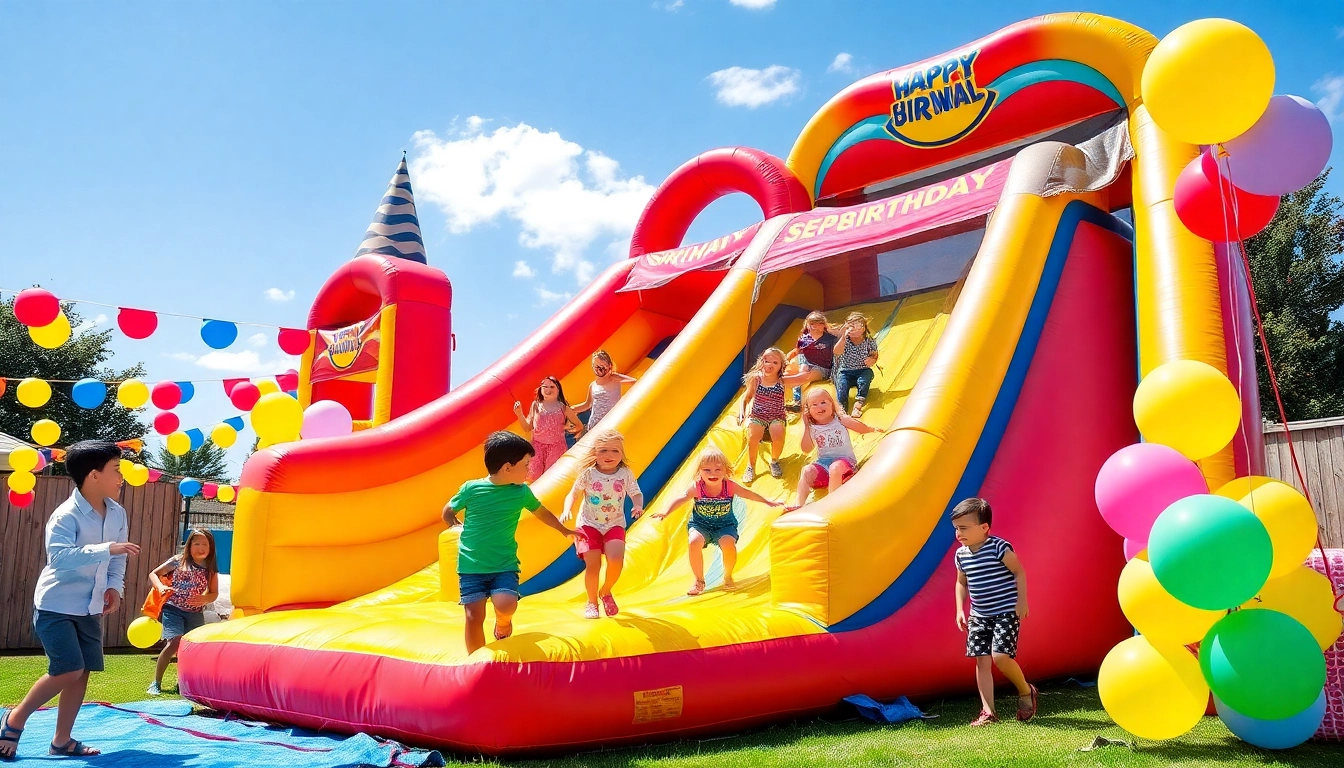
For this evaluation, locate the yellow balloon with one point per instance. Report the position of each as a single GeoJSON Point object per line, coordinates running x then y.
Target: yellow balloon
{"type": "Point", "coordinates": [33, 393]}
{"type": "Point", "coordinates": [46, 432]}
{"type": "Point", "coordinates": [277, 418]}
{"type": "Point", "coordinates": [223, 435]}
{"type": "Point", "coordinates": [22, 482]}
{"type": "Point", "coordinates": [178, 443]}
{"type": "Point", "coordinates": [1154, 692]}
{"type": "Point", "coordinates": [1189, 406]}
{"type": "Point", "coordinates": [23, 459]}
{"type": "Point", "coordinates": [144, 632]}
{"type": "Point", "coordinates": [1208, 81]}
{"type": "Point", "coordinates": [1286, 514]}
{"type": "Point", "coordinates": [132, 393]}
{"type": "Point", "coordinates": [134, 474]}
{"type": "Point", "coordinates": [267, 386]}
{"type": "Point", "coordinates": [53, 334]}
{"type": "Point", "coordinates": [225, 494]}
{"type": "Point", "coordinates": [1157, 615]}
{"type": "Point", "coordinates": [263, 443]}
{"type": "Point", "coordinates": [1305, 595]}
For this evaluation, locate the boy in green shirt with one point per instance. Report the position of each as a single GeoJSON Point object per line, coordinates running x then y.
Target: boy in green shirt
{"type": "Point", "coordinates": [487, 551]}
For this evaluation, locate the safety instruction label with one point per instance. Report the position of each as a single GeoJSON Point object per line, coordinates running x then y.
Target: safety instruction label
{"type": "Point", "coordinates": [658, 704]}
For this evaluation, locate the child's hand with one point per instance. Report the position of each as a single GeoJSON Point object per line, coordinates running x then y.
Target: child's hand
{"type": "Point", "coordinates": [636, 512]}
{"type": "Point", "coordinates": [961, 620]}
{"type": "Point", "coordinates": [870, 361]}
{"type": "Point", "coordinates": [124, 548]}
{"type": "Point", "coordinates": [773, 503]}
{"type": "Point", "coordinates": [1021, 609]}
{"type": "Point", "coordinates": [197, 601]}
{"type": "Point", "coordinates": [792, 507]}
{"type": "Point", "coordinates": [575, 535]}
{"type": "Point", "coordinates": [453, 522]}
{"type": "Point", "coordinates": [518, 408]}
{"type": "Point", "coordinates": [163, 589]}
{"type": "Point", "coordinates": [659, 516]}
{"type": "Point", "coordinates": [741, 419]}
{"type": "Point", "coordinates": [879, 430]}
{"type": "Point", "coordinates": [566, 516]}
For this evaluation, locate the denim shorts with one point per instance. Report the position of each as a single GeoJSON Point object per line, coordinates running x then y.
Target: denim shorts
{"type": "Point", "coordinates": [714, 528]}
{"type": "Point", "coordinates": [475, 587]}
{"type": "Point", "coordinates": [177, 622]}
{"type": "Point", "coordinates": [72, 643]}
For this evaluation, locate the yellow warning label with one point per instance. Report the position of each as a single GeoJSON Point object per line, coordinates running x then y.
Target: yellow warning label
{"type": "Point", "coordinates": [658, 704]}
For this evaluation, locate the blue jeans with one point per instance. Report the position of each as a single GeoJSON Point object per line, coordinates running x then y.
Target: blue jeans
{"type": "Point", "coordinates": [859, 378]}
{"type": "Point", "coordinates": [475, 587]}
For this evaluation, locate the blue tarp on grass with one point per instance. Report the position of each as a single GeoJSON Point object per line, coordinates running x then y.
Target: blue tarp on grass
{"type": "Point", "coordinates": [164, 734]}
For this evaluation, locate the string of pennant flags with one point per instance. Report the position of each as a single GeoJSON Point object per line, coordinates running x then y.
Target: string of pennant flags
{"type": "Point", "coordinates": [49, 327]}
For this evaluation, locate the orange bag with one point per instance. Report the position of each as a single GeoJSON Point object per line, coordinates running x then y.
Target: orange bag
{"type": "Point", "coordinates": [154, 603]}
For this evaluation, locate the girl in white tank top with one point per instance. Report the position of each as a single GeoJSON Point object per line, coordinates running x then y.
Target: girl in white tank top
{"type": "Point", "coordinates": [605, 391]}
{"type": "Point", "coordinates": [828, 431]}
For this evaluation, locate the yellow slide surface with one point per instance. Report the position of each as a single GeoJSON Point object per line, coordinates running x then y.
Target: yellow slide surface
{"type": "Point", "coordinates": [411, 621]}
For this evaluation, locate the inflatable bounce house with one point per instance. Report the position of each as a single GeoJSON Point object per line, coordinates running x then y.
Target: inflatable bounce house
{"type": "Point", "coordinates": [1001, 213]}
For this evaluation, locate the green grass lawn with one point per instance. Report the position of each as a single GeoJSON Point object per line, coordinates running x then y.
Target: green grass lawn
{"type": "Point", "coordinates": [1071, 716]}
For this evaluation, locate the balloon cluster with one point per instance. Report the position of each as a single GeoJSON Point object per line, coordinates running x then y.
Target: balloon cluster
{"type": "Point", "coordinates": [1211, 82]}
{"type": "Point", "coordinates": [1193, 557]}
{"type": "Point", "coordinates": [49, 327]}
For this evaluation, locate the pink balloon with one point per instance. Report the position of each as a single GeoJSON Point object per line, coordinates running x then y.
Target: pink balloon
{"type": "Point", "coordinates": [326, 418]}
{"type": "Point", "coordinates": [1139, 481]}
{"type": "Point", "coordinates": [1286, 148]}
{"type": "Point", "coordinates": [1133, 548]}
{"type": "Point", "coordinates": [209, 490]}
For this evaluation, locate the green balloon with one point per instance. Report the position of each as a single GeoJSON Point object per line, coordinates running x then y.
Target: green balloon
{"type": "Point", "coordinates": [1210, 552]}
{"type": "Point", "coordinates": [1262, 663]}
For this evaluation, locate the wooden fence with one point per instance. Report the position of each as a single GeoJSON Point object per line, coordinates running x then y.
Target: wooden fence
{"type": "Point", "coordinates": [153, 516]}
{"type": "Point", "coordinates": [1320, 453]}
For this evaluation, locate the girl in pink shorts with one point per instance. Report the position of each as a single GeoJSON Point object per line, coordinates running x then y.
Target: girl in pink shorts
{"type": "Point", "coordinates": [545, 421]}
{"type": "Point", "coordinates": [599, 495]}
{"type": "Point", "coordinates": [828, 431]}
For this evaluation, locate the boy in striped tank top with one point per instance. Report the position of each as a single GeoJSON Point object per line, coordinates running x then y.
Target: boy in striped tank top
{"type": "Point", "coordinates": [989, 573]}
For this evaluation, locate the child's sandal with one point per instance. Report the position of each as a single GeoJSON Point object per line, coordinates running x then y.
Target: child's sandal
{"type": "Point", "coordinates": [73, 748]}
{"type": "Point", "coordinates": [503, 633]}
{"type": "Point", "coordinates": [1025, 713]}
{"type": "Point", "coordinates": [10, 735]}
{"type": "Point", "coordinates": [697, 588]}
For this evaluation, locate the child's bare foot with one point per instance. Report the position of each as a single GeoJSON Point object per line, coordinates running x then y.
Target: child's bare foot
{"type": "Point", "coordinates": [502, 631]}
{"type": "Point", "coordinates": [590, 611]}
{"type": "Point", "coordinates": [985, 718]}
{"type": "Point", "coordinates": [697, 588]}
{"type": "Point", "coordinates": [1026, 705]}
{"type": "Point", "coordinates": [728, 584]}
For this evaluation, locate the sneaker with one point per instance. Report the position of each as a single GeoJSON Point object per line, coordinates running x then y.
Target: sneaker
{"type": "Point", "coordinates": [590, 611]}
{"type": "Point", "coordinates": [154, 690]}
{"type": "Point", "coordinates": [985, 718]}
{"type": "Point", "coordinates": [857, 411]}
{"type": "Point", "coordinates": [776, 471]}
{"type": "Point", "coordinates": [749, 475]}
{"type": "Point", "coordinates": [793, 406]}
{"type": "Point", "coordinates": [609, 605]}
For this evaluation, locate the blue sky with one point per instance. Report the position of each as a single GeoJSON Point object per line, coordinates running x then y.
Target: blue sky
{"type": "Point", "coordinates": [192, 157]}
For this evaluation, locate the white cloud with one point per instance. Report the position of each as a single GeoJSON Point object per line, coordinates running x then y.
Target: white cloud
{"type": "Point", "coordinates": [1331, 90]}
{"type": "Point", "coordinates": [743, 87]}
{"type": "Point", "coordinates": [1339, 33]}
{"type": "Point", "coordinates": [523, 270]}
{"type": "Point", "coordinates": [551, 297]}
{"type": "Point", "coordinates": [275, 294]}
{"type": "Point", "coordinates": [247, 362]}
{"type": "Point", "coordinates": [257, 340]}
{"type": "Point", "coordinates": [89, 325]}
{"type": "Point", "coordinates": [843, 62]}
{"type": "Point", "coordinates": [754, 5]}
{"type": "Point", "coordinates": [672, 6]}
{"type": "Point", "coordinates": [564, 198]}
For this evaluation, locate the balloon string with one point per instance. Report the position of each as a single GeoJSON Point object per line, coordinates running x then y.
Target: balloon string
{"type": "Point", "coordinates": [122, 381]}
{"type": "Point", "coordinates": [1273, 378]}
{"type": "Point", "coordinates": [155, 311]}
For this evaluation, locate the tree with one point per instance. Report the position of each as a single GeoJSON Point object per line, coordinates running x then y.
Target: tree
{"type": "Point", "coordinates": [84, 356]}
{"type": "Point", "coordinates": [1299, 284]}
{"type": "Point", "coordinates": [209, 463]}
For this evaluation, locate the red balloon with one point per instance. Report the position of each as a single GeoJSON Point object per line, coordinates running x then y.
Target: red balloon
{"type": "Point", "coordinates": [36, 308]}
{"type": "Point", "coordinates": [229, 384]}
{"type": "Point", "coordinates": [293, 341]}
{"type": "Point", "coordinates": [244, 396]}
{"type": "Point", "coordinates": [1219, 216]}
{"type": "Point", "coordinates": [209, 490]}
{"type": "Point", "coordinates": [137, 323]}
{"type": "Point", "coordinates": [166, 423]}
{"type": "Point", "coordinates": [165, 395]}
{"type": "Point", "coordinates": [20, 500]}
{"type": "Point", "coordinates": [154, 475]}
{"type": "Point", "coordinates": [288, 381]}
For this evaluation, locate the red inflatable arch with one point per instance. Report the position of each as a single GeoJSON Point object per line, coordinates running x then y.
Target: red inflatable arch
{"type": "Point", "coordinates": [704, 179]}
